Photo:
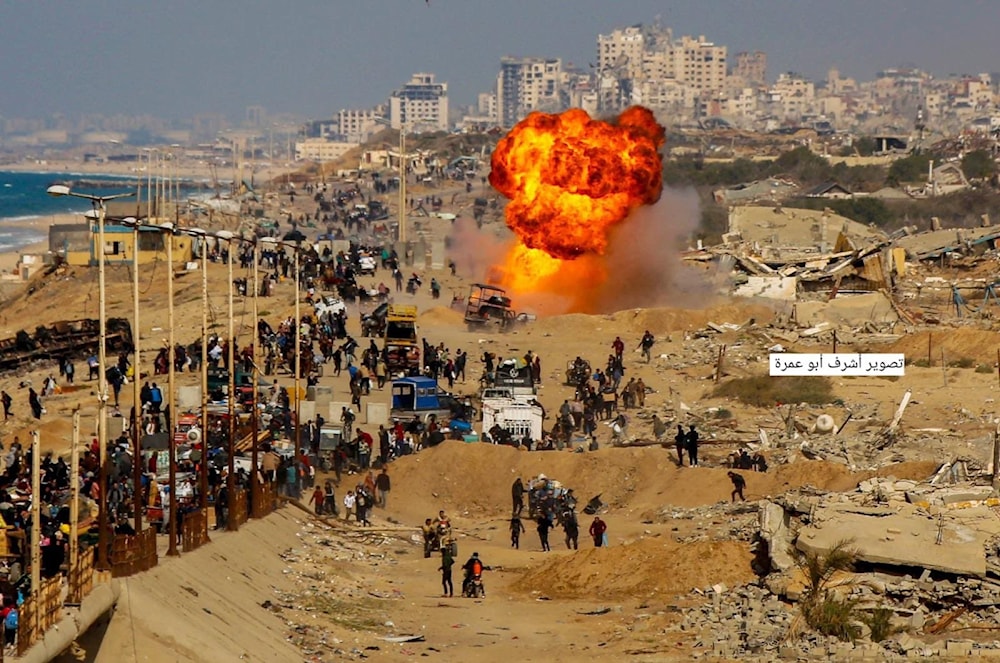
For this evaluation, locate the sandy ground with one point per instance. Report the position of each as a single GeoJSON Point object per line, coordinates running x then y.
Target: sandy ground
{"type": "Point", "coordinates": [335, 590]}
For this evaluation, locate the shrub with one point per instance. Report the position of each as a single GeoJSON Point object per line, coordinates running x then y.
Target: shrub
{"type": "Point", "coordinates": [832, 616]}
{"type": "Point", "coordinates": [821, 610]}
{"type": "Point", "coordinates": [879, 621]}
{"type": "Point", "coordinates": [723, 413]}
{"type": "Point", "coordinates": [984, 368]}
{"type": "Point", "coordinates": [765, 391]}
{"type": "Point", "coordinates": [962, 362]}
{"type": "Point", "coordinates": [921, 363]}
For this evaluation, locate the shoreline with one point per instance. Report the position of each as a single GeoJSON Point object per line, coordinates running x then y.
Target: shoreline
{"type": "Point", "coordinates": [184, 169]}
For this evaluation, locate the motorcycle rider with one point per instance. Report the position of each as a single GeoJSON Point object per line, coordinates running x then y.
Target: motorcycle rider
{"type": "Point", "coordinates": [442, 524]}
{"type": "Point", "coordinates": [474, 567]}
{"type": "Point", "coordinates": [429, 532]}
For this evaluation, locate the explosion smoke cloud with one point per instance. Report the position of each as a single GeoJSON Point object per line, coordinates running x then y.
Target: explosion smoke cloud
{"type": "Point", "coordinates": [571, 178]}
{"type": "Point", "coordinates": [572, 181]}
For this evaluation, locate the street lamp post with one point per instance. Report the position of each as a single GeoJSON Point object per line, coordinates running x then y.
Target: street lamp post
{"type": "Point", "coordinates": [136, 390]}
{"type": "Point", "coordinates": [401, 232]}
{"type": "Point", "coordinates": [402, 184]}
{"type": "Point", "coordinates": [231, 524]}
{"type": "Point", "coordinates": [100, 206]}
{"type": "Point", "coordinates": [168, 236]}
{"type": "Point", "coordinates": [203, 467]}
{"type": "Point", "coordinates": [298, 376]}
{"type": "Point", "coordinates": [255, 336]}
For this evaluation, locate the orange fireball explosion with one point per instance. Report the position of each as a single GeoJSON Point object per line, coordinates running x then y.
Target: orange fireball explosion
{"type": "Point", "coordinates": [569, 179]}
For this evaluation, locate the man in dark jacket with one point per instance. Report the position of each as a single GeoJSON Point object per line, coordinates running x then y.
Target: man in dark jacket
{"type": "Point", "coordinates": [517, 496]}
{"type": "Point", "coordinates": [691, 440]}
{"type": "Point", "coordinates": [383, 485]}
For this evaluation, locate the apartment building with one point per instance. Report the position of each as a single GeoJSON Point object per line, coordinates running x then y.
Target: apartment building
{"type": "Point", "coordinates": [622, 51]}
{"type": "Point", "coordinates": [421, 104]}
{"type": "Point", "coordinates": [751, 67]}
{"type": "Point", "coordinates": [703, 63]}
{"type": "Point", "coordinates": [356, 126]}
{"type": "Point", "coordinates": [527, 84]}
{"type": "Point", "coordinates": [320, 149]}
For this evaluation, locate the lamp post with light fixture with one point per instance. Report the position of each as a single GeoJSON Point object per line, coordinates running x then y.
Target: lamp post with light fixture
{"type": "Point", "coordinates": [100, 206]}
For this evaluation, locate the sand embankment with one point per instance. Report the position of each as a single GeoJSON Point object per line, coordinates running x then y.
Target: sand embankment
{"type": "Point", "coordinates": [205, 606]}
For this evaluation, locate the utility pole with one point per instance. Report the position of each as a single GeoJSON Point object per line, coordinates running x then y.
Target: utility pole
{"type": "Point", "coordinates": [231, 523]}
{"type": "Point", "coordinates": [298, 375]}
{"type": "Point", "coordinates": [402, 183]}
{"type": "Point", "coordinates": [253, 381]}
{"type": "Point", "coordinates": [204, 382]}
{"type": "Point", "coordinates": [36, 521]}
{"type": "Point", "coordinates": [136, 392]}
{"type": "Point", "coordinates": [74, 500]}
{"type": "Point", "coordinates": [171, 404]}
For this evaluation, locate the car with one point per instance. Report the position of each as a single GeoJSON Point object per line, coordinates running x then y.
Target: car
{"type": "Point", "coordinates": [331, 305]}
{"type": "Point", "coordinates": [366, 265]}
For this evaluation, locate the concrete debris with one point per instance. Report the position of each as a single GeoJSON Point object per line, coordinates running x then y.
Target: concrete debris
{"type": "Point", "coordinates": [908, 537]}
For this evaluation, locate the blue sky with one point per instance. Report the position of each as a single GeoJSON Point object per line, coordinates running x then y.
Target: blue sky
{"type": "Point", "coordinates": [177, 58]}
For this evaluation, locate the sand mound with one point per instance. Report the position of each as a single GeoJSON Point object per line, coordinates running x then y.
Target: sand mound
{"type": "Point", "coordinates": [675, 319]}
{"type": "Point", "coordinates": [475, 479]}
{"type": "Point", "coordinates": [659, 320]}
{"type": "Point", "coordinates": [976, 344]}
{"type": "Point", "coordinates": [440, 315]}
{"type": "Point", "coordinates": [639, 570]}
{"type": "Point", "coordinates": [218, 588]}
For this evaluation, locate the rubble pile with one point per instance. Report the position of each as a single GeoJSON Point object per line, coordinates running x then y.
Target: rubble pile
{"type": "Point", "coordinates": [333, 614]}
{"type": "Point", "coordinates": [928, 551]}
{"type": "Point", "coordinates": [717, 522]}
{"type": "Point", "coordinates": [752, 624]}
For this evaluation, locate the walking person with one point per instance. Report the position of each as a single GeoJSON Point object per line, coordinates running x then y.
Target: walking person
{"type": "Point", "coordinates": [362, 502]}
{"type": "Point", "coordinates": [739, 483]}
{"type": "Point", "coordinates": [222, 506]}
{"type": "Point", "coordinates": [679, 441]}
{"type": "Point", "coordinates": [330, 500]}
{"type": "Point", "coordinates": [349, 503]}
{"type": "Point", "coordinates": [447, 561]}
{"type": "Point", "coordinates": [7, 401]}
{"type": "Point", "coordinates": [318, 498]}
{"type": "Point", "coordinates": [517, 496]}
{"type": "Point", "coordinates": [647, 345]}
{"type": "Point", "coordinates": [543, 532]}
{"type": "Point", "coordinates": [10, 625]}
{"type": "Point", "coordinates": [516, 529]}
{"type": "Point", "coordinates": [691, 442]}
{"type": "Point", "coordinates": [35, 403]}
{"type": "Point", "coordinates": [572, 530]}
{"type": "Point", "coordinates": [383, 485]}
{"type": "Point", "coordinates": [598, 531]}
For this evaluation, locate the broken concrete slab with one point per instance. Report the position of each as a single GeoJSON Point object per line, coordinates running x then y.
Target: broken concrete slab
{"type": "Point", "coordinates": [907, 538]}
{"type": "Point", "coordinates": [774, 530]}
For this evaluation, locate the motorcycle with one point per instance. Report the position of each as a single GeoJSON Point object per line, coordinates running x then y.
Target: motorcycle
{"type": "Point", "coordinates": [440, 537]}
{"type": "Point", "coordinates": [474, 588]}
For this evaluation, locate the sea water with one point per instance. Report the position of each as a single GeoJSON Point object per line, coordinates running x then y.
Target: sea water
{"type": "Point", "coordinates": [23, 197]}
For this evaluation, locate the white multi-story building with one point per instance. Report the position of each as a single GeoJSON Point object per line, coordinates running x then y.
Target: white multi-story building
{"type": "Point", "coordinates": [421, 105]}
{"type": "Point", "coordinates": [320, 149]}
{"type": "Point", "coordinates": [642, 61]}
{"type": "Point", "coordinates": [356, 126]}
{"type": "Point", "coordinates": [793, 94]}
{"type": "Point", "coordinates": [527, 84]}
{"type": "Point", "coordinates": [486, 105]}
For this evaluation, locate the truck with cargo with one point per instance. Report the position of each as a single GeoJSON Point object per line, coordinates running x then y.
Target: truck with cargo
{"type": "Point", "coordinates": [402, 347]}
